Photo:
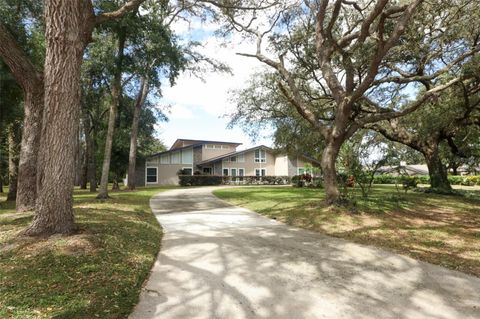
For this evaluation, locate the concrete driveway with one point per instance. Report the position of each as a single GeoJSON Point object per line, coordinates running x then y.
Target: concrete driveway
{"type": "Point", "coordinates": [219, 261]}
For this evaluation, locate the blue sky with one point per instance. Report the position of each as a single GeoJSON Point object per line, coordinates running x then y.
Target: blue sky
{"type": "Point", "coordinates": [198, 107]}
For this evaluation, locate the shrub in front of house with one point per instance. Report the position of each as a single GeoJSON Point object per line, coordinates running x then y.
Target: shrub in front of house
{"type": "Point", "coordinates": [257, 180]}
{"type": "Point", "coordinates": [212, 180]}
{"type": "Point", "coordinates": [200, 180]}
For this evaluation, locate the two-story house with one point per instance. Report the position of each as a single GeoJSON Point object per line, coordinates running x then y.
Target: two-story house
{"type": "Point", "coordinates": [218, 158]}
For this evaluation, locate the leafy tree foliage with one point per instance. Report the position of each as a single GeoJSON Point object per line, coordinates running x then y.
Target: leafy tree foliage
{"type": "Point", "coordinates": [343, 65]}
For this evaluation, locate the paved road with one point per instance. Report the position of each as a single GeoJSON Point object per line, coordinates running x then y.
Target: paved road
{"type": "Point", "coordinates": [219, 261]}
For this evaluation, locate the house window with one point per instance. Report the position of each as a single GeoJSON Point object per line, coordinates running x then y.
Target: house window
{"type": "Point", "coordinates": [176, 158]}
{"type": "Point", "coordinates": [165, 159]}
{"type": "Point", "coordinates": [209, 146]}
{"type": "Point", "coordinates": [260, 172]}
{"type": "Point", "coordinates": [260, 156]}
{"type": "Point", "coordinates": [225, 147]}
{"type": "Point", "coordinates": [187, 170]}
{"type": "Point", "coordinates": [233, 159]}
{"type": "Point", "coordinates": [217, 147]}
{"type": "Point", "coordinates": [207, 171]}
{"type": "Point", "coordinates": [225, 172]}
{"type": "Point", "coordinates": [152, 176]}
{"type": "Point", "coordinates": [187, 156]}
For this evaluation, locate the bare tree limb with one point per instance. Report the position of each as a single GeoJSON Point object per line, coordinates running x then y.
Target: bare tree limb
{"type": "Point", "coordinates": [130, 6]}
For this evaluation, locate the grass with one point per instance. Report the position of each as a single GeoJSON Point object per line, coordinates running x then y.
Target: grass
{"type": "Point", "coordinates": [97, 273]}
{"type": "Point", "coordinates": [443, 230]}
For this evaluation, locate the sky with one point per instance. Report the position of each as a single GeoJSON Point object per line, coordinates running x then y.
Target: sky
{"type": "Point", "coordinates": [199, 107]}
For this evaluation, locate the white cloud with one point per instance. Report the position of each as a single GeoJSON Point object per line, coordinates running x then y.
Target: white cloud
{"type": "Point", "coordinates": [179, 112]}
{"type": "Point", "coordinates": [197, 106]}
{"type": "Point", "coordinates": [212, 94]}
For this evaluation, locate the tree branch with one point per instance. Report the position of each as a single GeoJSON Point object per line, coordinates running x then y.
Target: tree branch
{"type": "Point", "coordinates": [130, 6]}
{"type": "Point", "coordinates": [20, 65]}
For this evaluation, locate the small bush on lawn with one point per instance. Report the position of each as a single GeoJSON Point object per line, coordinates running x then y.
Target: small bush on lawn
{"type": "Point", "coordinates": [408, 182]}
{"type": "Point", "coordinates": [307, 180]}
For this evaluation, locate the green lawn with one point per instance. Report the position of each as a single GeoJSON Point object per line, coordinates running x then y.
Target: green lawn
{"type": "Point", "coordinates": [97, 273]}
{"type": "Point", "coordinates": [443, 230]}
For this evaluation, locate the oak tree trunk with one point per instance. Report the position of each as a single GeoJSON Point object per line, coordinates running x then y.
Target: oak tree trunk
{"type": "Point", "coordinates": [132, 158]}
{"type": "Point", "coordinates": [68, 28]}
{"type": "Point", "coordinates": [92, 161]}
{"type": "Point", "coordinates": [90, 172]}
{"type": "Point", "coordinates": [116, 184]}
{"type": "Point", "coordinates": [1, 166]}
{"type": "Point", "coordinates": [116, 93]}
{"type": "Point", "coordinates": [27, 169]}
{"type": "Point", "coordinates": [437, 171]}
{"type": "Point", "coordinates": [84, 169]}
{"type": "Point", "coordinates": [31, 81]}
{"type": "Point", "coordinates": [329, 157]}
{"type": "Point", "coordinates": [81, 164]}
{"type": "Point", "coordinates": [13, 157]}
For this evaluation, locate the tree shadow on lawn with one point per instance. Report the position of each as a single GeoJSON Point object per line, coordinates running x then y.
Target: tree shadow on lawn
{"type": "Point", "coordinates": [445, 238]}
{"type": "Point", "coordinates": [439, 229]}
{"type": "Point", "coordinates": [95, 273]}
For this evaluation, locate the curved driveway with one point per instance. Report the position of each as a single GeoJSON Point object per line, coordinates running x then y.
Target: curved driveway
{"type": "Point", "coordinates": [220, 261]}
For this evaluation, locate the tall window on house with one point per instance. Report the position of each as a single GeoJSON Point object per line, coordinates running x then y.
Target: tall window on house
{"type": "Point", "coordinates": [152, 177]}
{"type": "Point", "coordinates": [176, 158]}
{"type": "Point", "coordinates": [260, 156]}
{"type": "Point", "coordinates": [165, 159]}
{"type": "Point", "coordinates": [187, 156]}
{"type": "Point", "coordinates": [241, 173]}
{"type": "Point", "coordinates": [260, 172]}
{"type": "Point", "coordinates": [225, 172]}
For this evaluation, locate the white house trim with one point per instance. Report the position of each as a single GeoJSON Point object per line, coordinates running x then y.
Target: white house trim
{"type": "Point", "coordinates": [146, 176]}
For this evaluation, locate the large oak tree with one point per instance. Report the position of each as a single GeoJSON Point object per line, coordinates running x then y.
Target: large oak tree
{"type": "Point", "coordinates": [339, 63]}
{"type": "Point", "coordinates": [68, 29]}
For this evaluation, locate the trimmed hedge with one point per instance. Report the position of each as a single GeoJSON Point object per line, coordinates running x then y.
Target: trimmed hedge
{"type": "Point", "coordinates": [200, 180]}
{"type": "Point", "coordinates": [211, 180]}
{"type": "Point", "coordinates": [302, 180]}
{"type": "Point", "coordinates": [425, 179]}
